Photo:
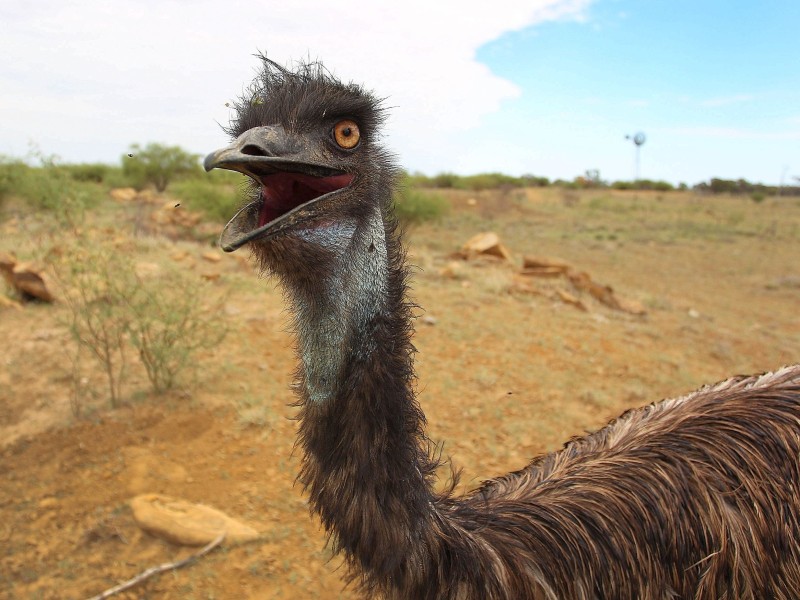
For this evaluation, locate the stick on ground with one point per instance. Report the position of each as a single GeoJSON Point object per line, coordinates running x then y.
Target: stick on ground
{"type": "Point", "coordinates": [160, 569]}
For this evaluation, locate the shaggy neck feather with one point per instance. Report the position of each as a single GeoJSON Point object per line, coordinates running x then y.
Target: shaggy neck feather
{"type": "Point", "coordinates": [366, 462]}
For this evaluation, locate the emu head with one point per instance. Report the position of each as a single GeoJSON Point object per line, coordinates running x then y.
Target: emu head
{"type": "Point", "coordinates": [308, 142]}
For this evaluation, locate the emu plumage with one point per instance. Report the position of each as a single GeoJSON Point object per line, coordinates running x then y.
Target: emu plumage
{"type": "Point", "coordinates": [694, 497]}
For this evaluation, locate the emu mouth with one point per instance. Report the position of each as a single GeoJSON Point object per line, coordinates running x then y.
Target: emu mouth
{"type": "Point", "coordinates": [288, 189]}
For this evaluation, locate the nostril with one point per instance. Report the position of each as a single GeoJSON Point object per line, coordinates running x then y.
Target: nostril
{"type": "Point", "coordinates": [253, 150]}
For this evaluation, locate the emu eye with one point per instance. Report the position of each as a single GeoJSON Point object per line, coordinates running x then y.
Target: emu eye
{"type": "Point", "coordinates": [346, 134]}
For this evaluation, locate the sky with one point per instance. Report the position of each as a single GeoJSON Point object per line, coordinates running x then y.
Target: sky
{"type": "Point", "coordinates": [543, 87]}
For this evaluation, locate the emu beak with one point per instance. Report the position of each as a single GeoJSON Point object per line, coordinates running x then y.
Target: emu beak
{"type": "Point", "coordinates": [291, 178]}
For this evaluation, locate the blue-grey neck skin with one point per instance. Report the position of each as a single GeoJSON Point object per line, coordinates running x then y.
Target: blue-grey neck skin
{"type": "Point", "coordinates": [347, 300]}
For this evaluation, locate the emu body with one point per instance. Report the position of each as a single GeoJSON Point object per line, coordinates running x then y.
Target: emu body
{"type": "Point", "coordinates": [694, 497]}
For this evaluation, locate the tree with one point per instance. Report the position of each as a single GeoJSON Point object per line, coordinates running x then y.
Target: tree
{"type": "Point", "coordinates": [157, 164]}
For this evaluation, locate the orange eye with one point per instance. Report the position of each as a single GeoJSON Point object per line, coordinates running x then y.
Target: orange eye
{"type": "Point", "coordinates": [346, 134]}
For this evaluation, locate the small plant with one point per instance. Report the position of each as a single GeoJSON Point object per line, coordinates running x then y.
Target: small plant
{"type": "Point", "coordinates": [98, 283]}
{"type": "Point", "coordinates": [114, 310]}
{"type": "Point", "coordinates": [168, 326]}
{"type": "Point", "coordinates": [757, 197]}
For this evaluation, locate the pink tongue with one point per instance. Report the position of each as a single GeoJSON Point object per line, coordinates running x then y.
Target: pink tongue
{"type": "Point", "coordinates": [282, 192]}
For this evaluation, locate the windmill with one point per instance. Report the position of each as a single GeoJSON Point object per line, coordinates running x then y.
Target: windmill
{"type": "Point", "coordinates": [638, 140]}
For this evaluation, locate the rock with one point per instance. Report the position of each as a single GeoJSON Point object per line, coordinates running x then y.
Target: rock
{"type": "Point", "coordinates": [31, 282]}
{"type": "Point", "coordinates": [568, 298]}
{"type": "Point", "coordinates": [185, 523]}
{"type": "Point", "coordinates": [7, 262]}
{"type": "Point", "coordinates": [789, 281]}
{"type": "Point", "coordinates": [9, 303]}
{"type": "Point", "coordinates": [472, 202]}
{"type": "Point", "coordinates": [519, 286]}
{"type": "Point", "coordinates": [212, 256]}
{"type": "Point", "coordinates": [48, 503]}
{"type": "Point", "coordinates": [126, 194]}
{"type": "Point", "coordinates": [537, 262]}
{"type": "Point", "coordinates": [551, 272]}
{"type": "Point", "coordinates": [603, 293]}
{"type": "Point", "coordinates": [452, 270]}
{"type": "Point", "coordinates": [632, 306]}
{"type": "Point", "coordinates": [537, 266]}
{"type": "Point", "coordinates": [487, 244]}
{"type": "Point", "coordinates": [429, 320]}
{"type": "Point", "coordinates": [27, 279]}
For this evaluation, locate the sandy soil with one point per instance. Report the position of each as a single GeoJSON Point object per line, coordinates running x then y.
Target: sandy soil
{"type": "Point", "coordinates": [506, 371]}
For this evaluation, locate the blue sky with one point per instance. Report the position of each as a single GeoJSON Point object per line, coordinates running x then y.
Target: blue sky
{"type": "Point", "coordinates": [548, 87]}
{"type": "Point", "coordinates": [714, 85]}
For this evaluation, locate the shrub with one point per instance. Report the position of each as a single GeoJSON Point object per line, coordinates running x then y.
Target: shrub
{"type": "Point", "coordinates": [215, 196]}
{"type": "Point", "coordinates": [48, 187]}
{"type": "Point", "coordinates": [168, 326]}
{"type": "Point", "coordinates": [94, 172]}
{"type": "Point", "coordinates": [157, 165]}
{"type": "Point", "coordinates": [417, 179]}
{"type": "Point", "coordinates": [445, 180]}
{"type": "Point", "coordinates": [534, 181]}
{"type": "Point", "coordinates": [115, 313]}
{"type": "Point", "coordinates": [11, 173]}
{"type": "Point", "coordinates": [415, 206]}
{"type": "Point", "coordinates": [489, 181]}
{"type": "Point", "coordinates": [97, 284]}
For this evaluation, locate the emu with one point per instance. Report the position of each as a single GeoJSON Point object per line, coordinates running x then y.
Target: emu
{"type": "Point", "coordinates": [692, 497]}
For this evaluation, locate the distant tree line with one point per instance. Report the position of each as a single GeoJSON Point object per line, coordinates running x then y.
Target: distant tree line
{"type": "Point", "coordinates": [157, 166]}
{"type": "Point", "coordinates": [591, 179]}
{"type": "Point", "coordinates": [743, 187]}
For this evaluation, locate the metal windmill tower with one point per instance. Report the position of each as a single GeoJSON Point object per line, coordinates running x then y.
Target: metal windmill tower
{"type": "Point", "coordinates": [638, 140]}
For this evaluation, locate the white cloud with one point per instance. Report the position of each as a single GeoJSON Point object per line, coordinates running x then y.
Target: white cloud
{"type": "Point", "coordinates": [727, 100]}
{"type": "Point", "coordinates": [84, 79]}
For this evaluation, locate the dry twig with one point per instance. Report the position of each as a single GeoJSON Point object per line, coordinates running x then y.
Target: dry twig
{"type": "Point", "coordinates": [160, 569]}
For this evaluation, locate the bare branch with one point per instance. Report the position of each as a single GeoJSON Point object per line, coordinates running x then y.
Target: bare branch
{"type": "Point", "coordinates": [160, 569]}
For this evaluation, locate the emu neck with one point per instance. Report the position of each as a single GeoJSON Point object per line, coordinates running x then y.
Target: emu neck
{"type": "Point", "coordinates": [366, 464]}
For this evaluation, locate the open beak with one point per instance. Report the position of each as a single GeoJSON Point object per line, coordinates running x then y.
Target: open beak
{"type": "Point", "coordinates": [290, 182]}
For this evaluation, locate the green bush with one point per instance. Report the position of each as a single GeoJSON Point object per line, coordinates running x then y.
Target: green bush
{"type": "Point", "coordinates": [534, 181]}
{"type": "Point", "coordinates": [12, 172]}
{"type": "Point", "coordinates": [445, 180]}
{"type": "Point", "coordinates": [157, 165]}
{"type": "Point", "coordinates": [94, 172]}
{"type": "Point", "coordinates": [415, 206]}
{"type": "Point", "coordinates": [48, 187]}
{"type": "Point", "coordinates": [489, 181]}
{"type": "Point", "coordinates": [215, 196]}
{"type": "Point", "coordinates": [643, 184]}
